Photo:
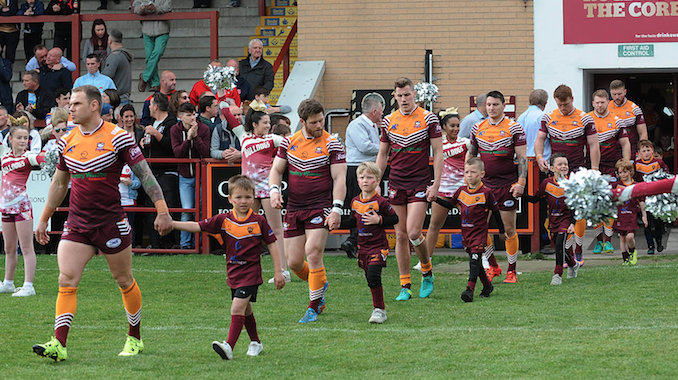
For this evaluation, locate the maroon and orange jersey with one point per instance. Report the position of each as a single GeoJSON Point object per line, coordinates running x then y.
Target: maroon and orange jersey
{"type": "Point", "coordinates": [631, 115]}
{"type": "Point", "coordinates": [560, 216]}
{"type": "Point", "coordinates": [648, 167]}
{"type": "Point", "coordinates": [410, 138]}
{"type": "Point", "coordinates": [371, 238]}
{"type": "Point", "coordinates": [627, 212]}
{"type": "Point", "coordinates": [241, 239]}
{"type": "Point", "coordinates": [568, 135]}
{"type": "Point", "coordinates": [475, 206]}
{"type": "Point", "coordinates": [610, 129]}
{"type": "Point", "coordinates": [496, 145]}
{"type": "Point", "coordinates": [95, 160]}
{"type": "Point", "coordinates": [308, 162]}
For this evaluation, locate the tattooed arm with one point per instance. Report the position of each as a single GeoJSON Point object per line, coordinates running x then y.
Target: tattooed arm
{"type": "Point", "coordinates": [519, 187]}
{"type": "Point", "coordinates": [163, 221]}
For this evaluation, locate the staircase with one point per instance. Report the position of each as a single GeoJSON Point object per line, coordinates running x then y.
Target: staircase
{"type": "Point", "coordinates": [273, 30]}
{"type": "Point", "coordinates": [187, 53]}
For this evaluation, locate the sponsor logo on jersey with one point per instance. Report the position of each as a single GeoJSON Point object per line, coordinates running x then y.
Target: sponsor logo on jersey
{"type": "Point", "coordinates": [628, 113]}
{"type": "Point", "coordinates": [317, 220]}
{"type": "Point", "coordinates": [84, 154]}
{"type": "Point", "coordinates": [70, 150]}
{"type": "Point", "coordinates": [134, 152]}
{"type": "Point", "coordinates": [574, 123]}
{"type": "Point", "coordinates": [417, 124]}
{"type": "Point", "coordinates": [238, 245]}
{"type": "Point", "coordinates": [294, 147]}
{"type": "Point", "coordinates": [250, 229]}
{"type": "Point", "coordinates": [285, 226]}
{"type": "Point", "coordinates": [318, 150]}
{"type": "Point", "coordinates": [502, 133]}
{"type": "Point", "coordinates": [509, 203]}
{"type": "Point", "coordinates": [100, 146]}
{"type": "Point", "coordinates": [420, 194]}
{"type": "Point", "coordinates": [114, 243]}
{"type": "Point", "coordinates": [394, 127]}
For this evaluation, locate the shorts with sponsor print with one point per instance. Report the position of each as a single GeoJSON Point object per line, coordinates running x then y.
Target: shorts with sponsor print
{"type": "Point", "coordinates": [109, 239]}
{"type": "Point", "coordinates": [297, 222]}
{"type": "Point", "coordinates": [246, 291]}
{"type": "Point", "coordinates": [13, 218]}
{"type": "Point", "coordinates": [504, 198]}
{"type": "Point", "coordinates": [403, 197]}
{"type": "Point", "coordinates": [372, 257]}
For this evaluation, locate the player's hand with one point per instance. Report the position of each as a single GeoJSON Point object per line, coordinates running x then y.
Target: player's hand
{"type": "Point", "coordinates": [279, 280]}
{"type": "Point", "coordinates": [163, 224]}
{"type": "Point", "coordinates": [333, 221]}
{"type": "Point", "coordinates": [517, 190]}
{"type": "Point", "coordinates": [276, 200]}
{"type": "Point", "coordinates": [371, 218]}
{"type": "Point", "coordinates": [41, 233]}
{"type": "Point", "coordinates": [432, 193]}
{"type": "Point", "coordinates": [543, 165]}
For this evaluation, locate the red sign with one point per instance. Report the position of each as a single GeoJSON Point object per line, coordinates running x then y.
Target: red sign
{"type": "Point", "coordinates": [619, 21]}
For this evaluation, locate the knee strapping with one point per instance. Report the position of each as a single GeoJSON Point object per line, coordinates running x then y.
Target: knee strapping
{"type": "Point", "coordinates": [419, 241]}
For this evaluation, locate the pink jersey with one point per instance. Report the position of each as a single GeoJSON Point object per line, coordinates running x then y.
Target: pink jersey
{"type": "Point", "coordinates": [15, 172]}
{"type": "Point", "coordinates": [257, 158]}
{"type": "Point", "coordinates": [454, 156]}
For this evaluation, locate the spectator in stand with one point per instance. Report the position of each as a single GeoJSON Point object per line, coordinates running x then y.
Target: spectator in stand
{"type": "Point", "coordinates": [202, 3]}
{"type": "Point", "coordinates": [190, 139]}
{"type": "Point", "coordinates": [40, 57]}
{"type": "Point", "coordinates": [104, 4]}
{"type": "Point", "coordinates": [280, 125]}
{"type": "Point", "coordinates": [129, 122]}
{"type": "Point", "coordinates": [177, 99]}
{"type": "Point", "coordinates": [224, 144]}
{"type": "Point", "coordinates": [32, 31]}
{"type": "Point", "coordinates": [5, 85]}
{"type": "Point", "coordinates": [62, 97]}
{"type": "Point", "coordinates": [111, 97]}
{"type": "Point", "coordinates": [168, 84]}
{"type": "Point", "coordinates": [261, 94]}
{"type": "Point", "coordinates": [209, 112]}
{"type": "Point", "coordinates": [60, 121]}
{"type": "Point", "coordinates": [53, 74]}
{"type": "Point", "coordinates": [118, 66]}
{"type": "Point", "coordinates": [4, 122]}
{"type": "Point", "coordinates": [222, 95]}
{"type": "Point", "coordinates": [156, 34]}
{"type": "Point", "coordinates": [9, 33]}
{"type": "Point", "coordinates": [474, 117]}
{"type": "Point", "coordinates": [97, 44]}
{"type": "Point", "coordinates": [34, 98]}
{"type": "Point", "coordinates": [244, 89]}
{"type": "Point", "coordinates": [93, 76]}
{"type": "Point", "coordinates": [107, 114]}
{"type": "Point", "coordinates": [62, 30]}
{"type": "Point", "coordinates": [255, 69]}
{"type": "Point", "coordinates": [157, 143]}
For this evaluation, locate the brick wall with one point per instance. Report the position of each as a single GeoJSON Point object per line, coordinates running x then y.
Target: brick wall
{"type": "Point", "coordinates": [477, 46]}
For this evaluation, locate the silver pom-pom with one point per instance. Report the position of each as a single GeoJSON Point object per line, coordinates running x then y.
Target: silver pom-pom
{"type": "Point", "coordinates": [427, 93]}
{"type": "Point", "coordinates": [51, 160]}
{"type": "Point", "coordinates": [219, 78]}
{"type": "Point", "coordinates": [589, 195]}
{"type": "Point", "coordinates": [662, 206]}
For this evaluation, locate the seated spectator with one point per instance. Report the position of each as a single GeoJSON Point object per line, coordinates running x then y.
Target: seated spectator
{"type": "Point", "coordinates": [62, 30]}
{"type": "Point", "coordinates": [40, 56]}
{"type": "Point", "coordinates": [9, 33]}
{"type": "Point", "coordinates": [118, 66]}
{"type": "Point", "coordinates": [97, 43]}
{"type": "Point", "coordinates": [222, 95]}
{"type": "Point", "coordinates": [190, 139]}
{"type": "Point", "coordinates": [224, 144]}
{"type": "Point", "coordinates": [209, 112]}
{"type": "Point", "coordinates": [34, 98]}
{"type": "Point", "coordinates": [244, 89]}
{"type": "Point", "coordinates": [5, 85]}
{"type": "Point", "coordinates": [177, 99]}
{"type": "Point", "coordinates": [111, 97]}
{"type": "Point", "coordinates": [261, 95]}
{"type": "Point", "coordinates": [94, 77]}
{"type": "Point", "coordinates": [32, 31]}
{"type": "Point", "coordinates": [52, 74]}
{"type": "Point", "coordinates": [107, 113]}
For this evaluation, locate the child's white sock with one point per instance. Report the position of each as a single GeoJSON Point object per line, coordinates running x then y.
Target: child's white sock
{"type": "Point", "coordinates": [8, 282]}
{"type": "Point", "coordinates": [28, 284]}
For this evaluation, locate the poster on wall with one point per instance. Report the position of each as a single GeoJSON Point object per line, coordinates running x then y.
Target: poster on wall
{"type": "Point", "coordinates": [619, 21]}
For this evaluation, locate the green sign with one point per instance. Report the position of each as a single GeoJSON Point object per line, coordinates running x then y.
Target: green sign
{"type": "Point", "coordinates": [630, 51]}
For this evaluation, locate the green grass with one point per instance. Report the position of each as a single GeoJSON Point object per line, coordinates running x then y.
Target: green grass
{"type": "Point", "coordinates": [611, 323]}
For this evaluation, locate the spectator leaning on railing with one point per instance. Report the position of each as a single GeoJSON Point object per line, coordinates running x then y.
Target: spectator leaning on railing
{"type": "Point", "coordinates": [62, 30]}
{"type": "Point", "coordinates": [32, 31]}
{"type": "Point", "coordinates": [9, 33]}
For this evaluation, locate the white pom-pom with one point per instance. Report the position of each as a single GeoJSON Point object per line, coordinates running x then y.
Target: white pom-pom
{"type": "Point", "coordinates": [589, 195]}
{"type": "Point", "coordinates": [427, 93]}
{"type": "Point", "coordinates": [662, 206]}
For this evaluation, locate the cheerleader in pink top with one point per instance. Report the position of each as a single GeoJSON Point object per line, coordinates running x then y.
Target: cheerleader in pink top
{"type": "Point", "coordinates": [17, 212]}
{"type": "Point", "coordinates": [454, 154]}
{"type": "Point", "coordinates": [259, 147]}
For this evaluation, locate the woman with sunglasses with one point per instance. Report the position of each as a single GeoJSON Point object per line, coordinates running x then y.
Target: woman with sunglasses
{"type": "Point", "coordinates": [59, 127]}
{"type": "Point", "coordinates": [178, 98]}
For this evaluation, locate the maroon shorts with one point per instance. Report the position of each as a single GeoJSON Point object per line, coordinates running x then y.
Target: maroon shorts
{"type": "Point", "coordinates": [609, 170]}
{"type": "Point", "coordinates": [625, 224]}
{"type": "Point", "coordinates": [372, 257]}
{"type": "Point", "coordinates": [504, 198]}
{"type": "Point", "coordinates": [13, 218]}
{"type": "Point", "coordinates": [295, 223]}
{"type": "Point", "coordinates": [403, 197]}
{"type": "Point", "coordinates": [109, 239]}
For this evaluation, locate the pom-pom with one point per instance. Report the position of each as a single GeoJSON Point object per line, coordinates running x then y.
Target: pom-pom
{"type": "Point", "coordinates": [51, 160]}
{"type": "Point", "coordinates": [219, 78]}
{"type": "Point", "coordinates": [427, 93]}
{"type": "Point", "coordinates": [662, 206]}
{"type": "Point", "coordinates": [589, 195]}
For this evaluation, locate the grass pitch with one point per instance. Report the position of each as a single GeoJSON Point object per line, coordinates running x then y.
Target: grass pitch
{"type": "Point", "coordinates": [611, 323]}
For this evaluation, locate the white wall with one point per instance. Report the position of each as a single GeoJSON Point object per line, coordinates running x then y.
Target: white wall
{"type": "Point", "coordinates": [556, 63]}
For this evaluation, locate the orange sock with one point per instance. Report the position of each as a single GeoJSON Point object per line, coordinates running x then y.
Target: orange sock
{"type": "Point", "coordinates": [580, 227]}
{"type": "Point", "coordinates": [303, 273]}
{"type": "Point", "coordinates": [131, 298]}
{"type": "Point", "coordinates": [405, 280]}
{"type": "Point", "coordinates": [426, 267]}
{"type": "Point", "coordinates": [316, 282]}
{"type": "Point", "coordinates": [512, 245]}
{"type": "Point", "coordinates": [66, 305]}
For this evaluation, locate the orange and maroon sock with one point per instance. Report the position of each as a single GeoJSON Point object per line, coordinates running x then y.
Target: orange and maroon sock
{"type": "Point", "coordinates": [316, 284]}
{"type": "Point", "coordinates": [406, 281]}
{"type": "Point", "coordinates": [251, 327]}
{"type": "Point", "coordinates": [237, 322]}
{"type": "Point", "coordinates": [512, 245]}
{"type": "Point", "coordinates": [427, 269]}
{"type": "Point", "coordinates": [66, 305]}
{"type": "Point", "coordinates": [131, 298]}
{"type": "Point", "coordinates": [303, 273]}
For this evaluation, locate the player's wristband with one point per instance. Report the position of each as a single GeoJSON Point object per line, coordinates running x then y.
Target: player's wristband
{"type": "Point", "coordinates": [540, 156]}
{"type": "Point", "coordinates": [274, 189]}
{"type": "Point", "coordinates": [338, 210]}
{"type": "Point", "coordinates": [522, 182]}
{"type": "Point", "coordinates": [161, 207]}
{"type": "Point", "coordinates": [338, 203]}
{"type": "Point", "coordinates": [47, 213]}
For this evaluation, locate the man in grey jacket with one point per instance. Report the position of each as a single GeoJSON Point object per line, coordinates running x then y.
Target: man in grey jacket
{"type": "Point", "coordinates": [362, 144]}
{"type": "Point", "coordinates": [156, 34]}
{"type": "Point", "coordinates": [119, 66]}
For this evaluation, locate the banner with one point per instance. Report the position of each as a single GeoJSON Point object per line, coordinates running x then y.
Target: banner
{"type": "Point", "coordinates": [619, 21]}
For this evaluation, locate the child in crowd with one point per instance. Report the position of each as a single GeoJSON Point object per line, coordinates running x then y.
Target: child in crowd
{"type": "Point", "coordinates": [17, 211]}
{"type": "Point", "coordinates": [371, 214]}
{"type": "Point", "coordinates": [626, 223]}
{"type": "Point", "coordinates": [242, 233]}
{"type": "Point", "coordinates": [107, 112]}
{"type": "Point", "coordinates": [475, 201]}
{"type": "Point", "coordinates": [32, 31]}
{"type": "Point", "coordinates": [647, 163]}
{"type": "Point", "coordinates": [129, 183]}
{"type": "Point", "coordinates": [261, 95]}
{"type": "Point", "coordinates": [280, 125]}
{"type": "Point", "coordinates": [561, 219]}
